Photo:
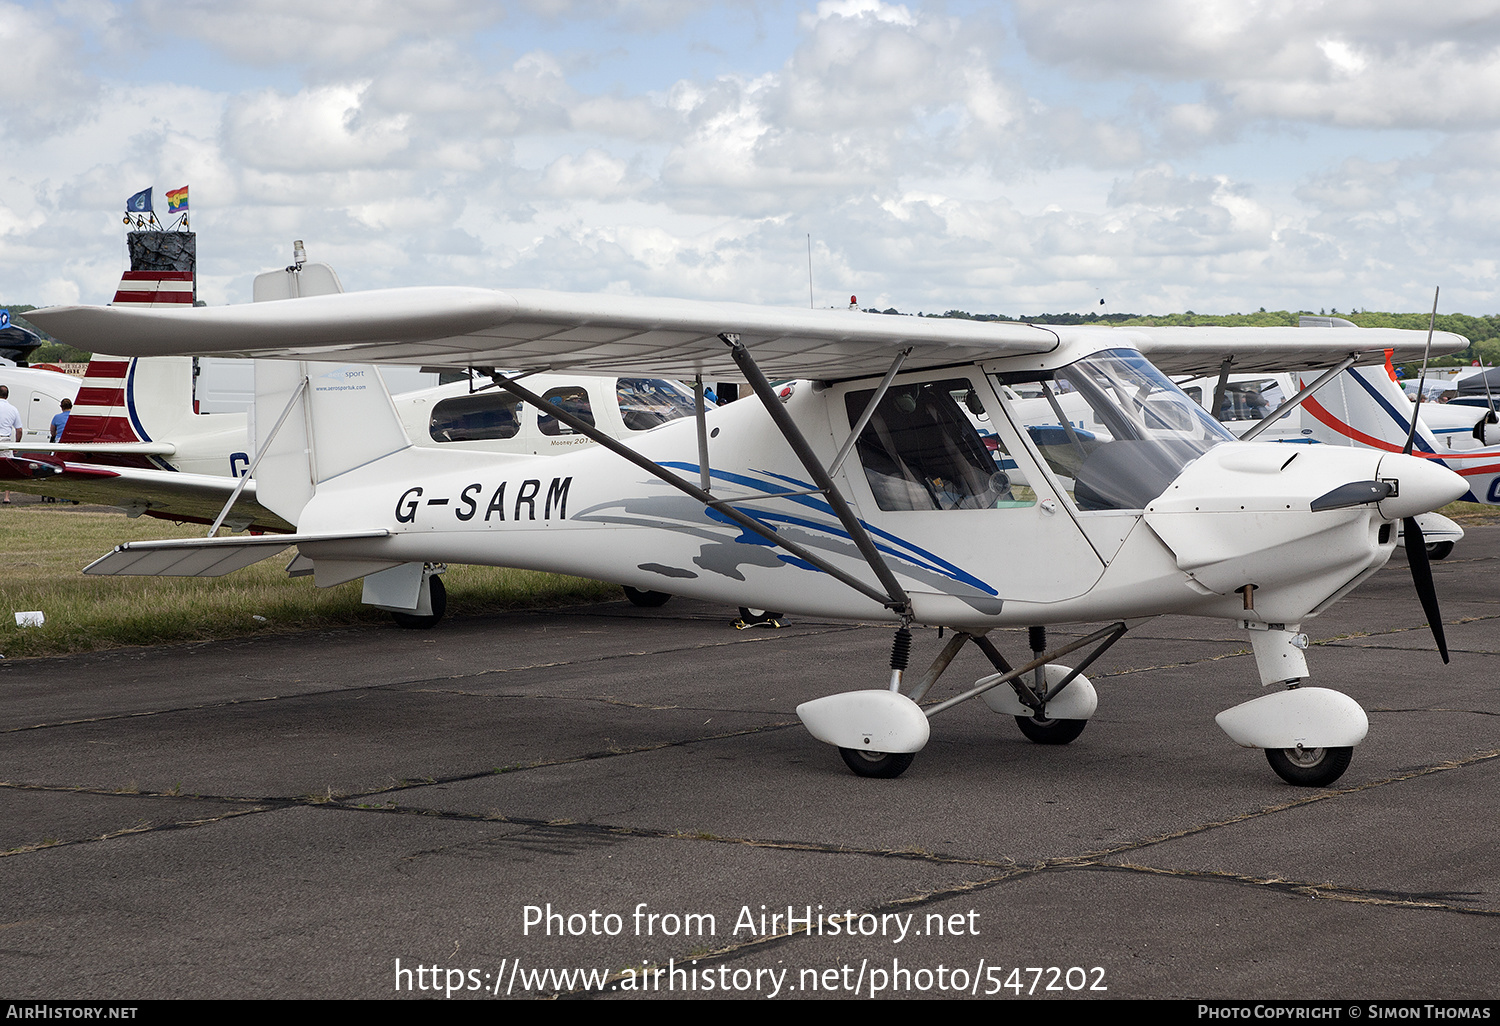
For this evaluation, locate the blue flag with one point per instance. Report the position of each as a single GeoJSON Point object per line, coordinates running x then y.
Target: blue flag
{"type": "Point", "coordinates": [140, 203]}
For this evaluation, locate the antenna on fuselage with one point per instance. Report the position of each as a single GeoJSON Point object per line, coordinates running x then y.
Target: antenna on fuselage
{"type": "Point", "coordinates": [1411, 435]}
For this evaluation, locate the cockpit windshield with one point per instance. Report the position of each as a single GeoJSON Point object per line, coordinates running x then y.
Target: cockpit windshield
{"type": "Point", "coordinates": [1114, 428]}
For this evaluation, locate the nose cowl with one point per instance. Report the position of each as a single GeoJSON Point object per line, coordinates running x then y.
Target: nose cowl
{"type": "Point", "coordinates": [1422, 485]}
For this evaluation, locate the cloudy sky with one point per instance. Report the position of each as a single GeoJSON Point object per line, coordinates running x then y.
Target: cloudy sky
{"type": "Point", "coordinates": [1018, 157]}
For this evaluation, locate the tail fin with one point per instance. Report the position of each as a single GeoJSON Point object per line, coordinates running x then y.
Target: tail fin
{"type": "Point", "coordinates": [332, 418]}
{"type": "Point", "coordinates": [156, 288]}
{"type": "Point", "coordinates": [327, 418]}
{"type": "Point", "coordinates": [1365, 406]}
{"type": "Point", "coordinates": [123, 400]}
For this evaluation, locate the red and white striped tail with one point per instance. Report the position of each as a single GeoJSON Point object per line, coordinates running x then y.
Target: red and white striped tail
{"type": "Point", "coordinates": [155, 288]}
{"type": "Point", "coordinates": [100, 413]}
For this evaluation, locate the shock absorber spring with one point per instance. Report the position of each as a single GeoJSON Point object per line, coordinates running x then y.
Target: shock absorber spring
{"type": "Point", "coordinates": [900, 655]}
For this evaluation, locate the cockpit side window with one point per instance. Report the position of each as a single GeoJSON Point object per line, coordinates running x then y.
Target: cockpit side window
{"type": "Point", "coordinates": [921, 451]}
{"type": "Point", "coordinates": [474, 418]}
{"type": "Point", "coordinates": [572, 399]}
{"type": "Point", "coordinates": [646, 403]}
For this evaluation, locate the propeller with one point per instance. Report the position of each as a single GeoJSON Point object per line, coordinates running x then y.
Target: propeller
{"type": "Point", "coordinates": [1421, 576]}
{"type": "Point", "coordinates": [1416, 545]}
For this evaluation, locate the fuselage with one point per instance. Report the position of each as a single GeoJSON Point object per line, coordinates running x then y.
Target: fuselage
{"type": "Point", "coordinates": [1035, 524]}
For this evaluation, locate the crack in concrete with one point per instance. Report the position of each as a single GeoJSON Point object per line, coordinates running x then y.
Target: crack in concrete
{"type": "Point", "coordinates": [143, 828]}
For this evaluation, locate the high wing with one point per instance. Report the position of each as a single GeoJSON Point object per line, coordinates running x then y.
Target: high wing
{"type": "Point", "coordinates": [166, 494]}
{"type": "Point", "coordinates": [1183, 349]}
{"type": "Point", "coordinates": [449, 326]}
{"type": "Point", "coordinates": [94, 448]}
{"type": "Point", "coordinates": [559, 330]}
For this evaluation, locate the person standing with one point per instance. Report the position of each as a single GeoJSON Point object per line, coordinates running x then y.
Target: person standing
{"type": "Point", "coordinates": [10, 422]}
{"type": "Point", "coordinates": [61, 420]}
{"type": "Point", "coordinates": [10, 417]}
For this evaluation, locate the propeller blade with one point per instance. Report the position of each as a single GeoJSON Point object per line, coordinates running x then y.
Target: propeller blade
{"type": "Point", "coordinates": [1421, 576]}
{"type": "Point", "coordinates": [1355, 493]}
{"type": "Point", "coordinates": [1411, 436]}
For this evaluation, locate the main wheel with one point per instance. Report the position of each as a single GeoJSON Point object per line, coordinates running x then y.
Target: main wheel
{"type": "Point", "coordinates": [416, 622]}
{"type": "Point", "coordinates": [1050, 732]}
{"type": "Point", "coordinates": [1309, 767]}
{"type": "Point", "coordinates": [646, 599]}
{"type": "Point", "coordinates": [877, 764]}
{"type": "Point", "coordinates": [1439, 550]}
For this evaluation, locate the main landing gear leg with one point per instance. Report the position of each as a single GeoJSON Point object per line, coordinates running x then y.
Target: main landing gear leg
{"type": "Point", "coordinates": [879, 732]}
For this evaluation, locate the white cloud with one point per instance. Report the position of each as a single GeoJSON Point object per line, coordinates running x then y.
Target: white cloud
{"type": "Point", "coordinates": [319, 129]}
{"type": "Point", "coordinates": [1381, 63]}
{"type": "Point", "coordinates": [1162, 154]}
{"type": "Point", "coordinates": [335, 32]}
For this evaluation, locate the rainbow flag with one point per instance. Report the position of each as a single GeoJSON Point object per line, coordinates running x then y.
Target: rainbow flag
{"type": "Point", "coordinates": [177, 200]}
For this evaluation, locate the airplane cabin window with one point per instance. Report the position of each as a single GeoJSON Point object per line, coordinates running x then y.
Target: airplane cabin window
{"type": "Point", "coordinates": [922, 450]}
{"type": "Point", "coordinates": [572, 399]}
{"type": "Point", "coordinates": [1250, 400]}
{"type": "Point", "coordinates": [646, 403]}
{"type": "Point", "coordinates": [475, 418]}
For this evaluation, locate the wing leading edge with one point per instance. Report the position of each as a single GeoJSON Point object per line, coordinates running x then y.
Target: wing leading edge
{"type": "Point", "coordinates": [1284, 349]}
{"type": "Point", "coordinates": [456, 327]}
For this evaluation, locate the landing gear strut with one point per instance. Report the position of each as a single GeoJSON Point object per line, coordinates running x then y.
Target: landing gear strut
{"type": "Point", "coordinates": [878, 733]}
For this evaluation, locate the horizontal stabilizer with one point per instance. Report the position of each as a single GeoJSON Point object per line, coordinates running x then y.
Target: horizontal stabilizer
{"type": "Point", "coordinates": [98, 448]}
{"type": "Point", "coordinates": [204, 557]}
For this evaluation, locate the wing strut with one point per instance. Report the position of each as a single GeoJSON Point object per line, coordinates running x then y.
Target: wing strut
{"type": "Point", "coordinates": [702, 495]}
{"type": "Point", "coordinates": [1296, 400]}
{"type": "Point", "coordinates": [897, 599]}
{"type": "Point", "coordinates": [864, 418]}
{"type": "Point", "coordinates": [1221, 387]}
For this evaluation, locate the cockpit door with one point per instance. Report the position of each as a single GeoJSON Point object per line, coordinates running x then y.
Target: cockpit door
{"type": "Point", "coordinates": [953, 495]}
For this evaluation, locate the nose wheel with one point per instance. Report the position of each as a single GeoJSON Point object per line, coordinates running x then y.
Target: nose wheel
{"type": "Point", "coordinates": [1309, 767]}
{"type": "Point", "coordinates": [646, 599]}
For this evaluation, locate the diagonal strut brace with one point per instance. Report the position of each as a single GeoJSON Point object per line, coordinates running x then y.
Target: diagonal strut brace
{"type": "Point", "coordinates": [896, 598]}
{"type": "Point", "coordinates": [703, 496]}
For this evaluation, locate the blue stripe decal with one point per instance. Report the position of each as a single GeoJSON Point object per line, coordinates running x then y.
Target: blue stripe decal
{"type": "Point", "coordinates": [914, 554]}
{"type": "Point", "coordinates": [135, 420]}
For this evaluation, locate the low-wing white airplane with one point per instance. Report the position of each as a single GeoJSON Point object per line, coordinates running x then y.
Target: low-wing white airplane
{"type": "Point", "coordinates": [868, 494]}
{"type": "Point", "coordinates": [37, 395]}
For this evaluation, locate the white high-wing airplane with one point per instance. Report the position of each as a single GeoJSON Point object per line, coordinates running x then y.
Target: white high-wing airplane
{"type": "Point", "coordinates": [867, 495]}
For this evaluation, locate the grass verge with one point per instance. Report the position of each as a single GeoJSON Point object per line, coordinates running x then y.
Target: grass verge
{"type": "Point", "coordinates": [1472, 514]}
{"type": "Point", "coordinates": [43, 548]}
